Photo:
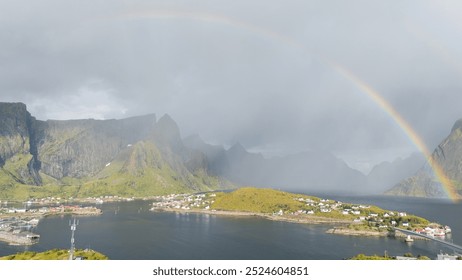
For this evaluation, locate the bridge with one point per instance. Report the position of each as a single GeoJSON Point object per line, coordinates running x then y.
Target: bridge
{"type": "Point", "coordinates": [449, 244]}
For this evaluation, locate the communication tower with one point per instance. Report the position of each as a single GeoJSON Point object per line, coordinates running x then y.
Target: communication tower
{"type": "Point", "coordinates": [73, 228]}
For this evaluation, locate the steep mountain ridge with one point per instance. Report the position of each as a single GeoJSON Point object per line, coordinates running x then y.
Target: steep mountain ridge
{"type": "Point", "coordinates": [448, 155]}
{"type": "Point", "coordinates": [137, 155]}
{"type": "Point", "coordinates": [80, 148]}
{"type": "Point", "coordinates": [18, 150]}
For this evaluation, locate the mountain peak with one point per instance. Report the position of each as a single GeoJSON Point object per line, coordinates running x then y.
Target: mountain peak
{"type": "Point", "coordinates": [237, 148]}
{"type": "Point", "coordinates": [457, 125]}
{"type": "Point", "coordinates": [167, 119]}
{"type": "Point", "coordinates": [167, 124]}
{"type": "Point", "coordinates": [167, 132]}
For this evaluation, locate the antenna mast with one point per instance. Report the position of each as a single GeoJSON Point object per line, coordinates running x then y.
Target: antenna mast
{"type": "Point", "coordinates": [73, 228]}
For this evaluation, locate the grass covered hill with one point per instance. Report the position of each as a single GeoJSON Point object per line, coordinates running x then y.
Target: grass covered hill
{"type": "Point", "coordinates": [56, 254]}
{"type": "Point", "coordinates": [259, 200]}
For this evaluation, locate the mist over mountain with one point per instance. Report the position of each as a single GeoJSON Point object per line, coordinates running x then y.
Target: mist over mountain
{"type": "Point", "coordinates": [307, 171]}
{"type": "Point", "coordinates": [448, 155]}
{"type": "Point", "coordinates": [387, 174]}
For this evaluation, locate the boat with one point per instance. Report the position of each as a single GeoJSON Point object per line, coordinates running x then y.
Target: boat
{"type": "Point", "coordinates": [447, 229]}
{"type": "Point", "coordinates": [409, 239]}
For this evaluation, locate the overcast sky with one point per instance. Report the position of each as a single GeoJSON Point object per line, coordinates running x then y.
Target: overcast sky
{"type": "Point", "coordinates": [257, 72]}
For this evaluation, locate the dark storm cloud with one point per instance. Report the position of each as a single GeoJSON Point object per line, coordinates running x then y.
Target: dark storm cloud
{"type": "Point", "coordinates": [234, 71]}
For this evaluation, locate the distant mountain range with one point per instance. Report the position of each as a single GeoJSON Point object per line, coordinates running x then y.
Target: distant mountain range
{"type": "Point", "coordinates": [388, 174]}
{"type": "Point", "coordinates": [319, 171]}
{"type": "Point", "coordinates": [142, 156]}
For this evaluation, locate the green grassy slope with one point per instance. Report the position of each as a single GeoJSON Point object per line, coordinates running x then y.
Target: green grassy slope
{"type": "Point", "coordinates": [56, 254]}
{"type": "Point", "coordinates": [259, 201]}
{"type": "Point", "coordinates": [138, 171]}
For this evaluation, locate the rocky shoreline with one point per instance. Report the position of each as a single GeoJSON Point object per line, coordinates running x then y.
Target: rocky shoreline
{"type": "Point", "coordinates": [291, 219]}
{"type": "Point", "coordinates": [352, 232]}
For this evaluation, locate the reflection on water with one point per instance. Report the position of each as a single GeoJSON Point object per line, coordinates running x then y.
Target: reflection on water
{"type": "Point", "coordinates": [128, 231]}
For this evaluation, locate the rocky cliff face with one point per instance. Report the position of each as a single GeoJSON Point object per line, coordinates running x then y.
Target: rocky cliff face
{"type": "Point", "coordinates": [448, 155]}
{"type": "Point", "coordinates": [133, 153]}
{"type": "Point", "coordinates": [81, 148]}
{"type": "Point", "coordinates": [18, 150]}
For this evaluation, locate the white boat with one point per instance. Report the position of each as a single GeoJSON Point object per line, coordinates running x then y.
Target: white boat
{"type": "Point", "coordinates": [447, 229]}
{"type": "Point", "coordinates": [409, 239]}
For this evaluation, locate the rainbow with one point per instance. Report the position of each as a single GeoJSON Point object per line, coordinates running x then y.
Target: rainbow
{"type": "Point", "coordinates": [438, 171]}
{"type": "Point", "coordinates": [364, 88]}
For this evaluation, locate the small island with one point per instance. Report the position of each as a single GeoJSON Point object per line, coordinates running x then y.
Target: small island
{"type": "Point", "coordinates": [347, 218]}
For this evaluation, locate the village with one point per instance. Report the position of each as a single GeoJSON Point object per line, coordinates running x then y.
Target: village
{"type": "Point", "coordinates": [51, 200]}
{"type": "Point", "coordinates": [360, 218]}
{"type": "Point", "coordinates": [183, 202]}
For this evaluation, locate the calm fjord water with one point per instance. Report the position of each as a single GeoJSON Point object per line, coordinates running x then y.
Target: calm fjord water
{"type": "Point", "coordinates": [128, 231]}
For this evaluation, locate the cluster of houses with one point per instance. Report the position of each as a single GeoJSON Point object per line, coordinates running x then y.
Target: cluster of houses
{"type": "Point", "coordinates": [183, 201]}
{"type": "Point", "coordinates": [106, 198]}
{"type": "Point", "coordinates": [325, 206]}
{"type": "Point", "coordinates": [59, 200]}
{"type": "Point", "coordinates": [62, 209]}
{"type": "Point", "coordinates": [434, 230]}
{"type": "Point", "coordinates": [359, 213]}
